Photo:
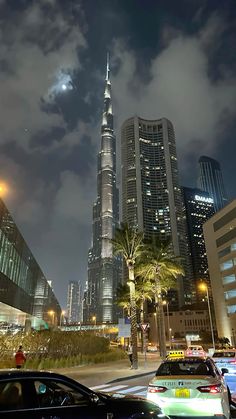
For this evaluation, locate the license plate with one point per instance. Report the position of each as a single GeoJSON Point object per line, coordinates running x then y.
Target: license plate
{"type": "Point", "coordinates": [182, 392]}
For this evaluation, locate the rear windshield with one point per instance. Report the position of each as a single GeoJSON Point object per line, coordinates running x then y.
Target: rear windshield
{"type": "Point", "coordinates": [196, 348]}
{"type": "Point", "coordinates": [225, 354]}
{"type": "Point", "coordinates": [185, 368]}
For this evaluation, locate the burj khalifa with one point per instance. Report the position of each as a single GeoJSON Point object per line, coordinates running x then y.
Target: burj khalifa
{"type": "Point", "coordinates": [103, 268]}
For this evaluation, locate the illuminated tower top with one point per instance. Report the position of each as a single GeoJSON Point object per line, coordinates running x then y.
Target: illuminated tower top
{"type": "Point", "coordinates": [107, 116]}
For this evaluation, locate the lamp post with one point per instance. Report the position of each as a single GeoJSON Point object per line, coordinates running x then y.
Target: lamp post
{"type": "Point", "coordinates": [94, 318]}
{"type": "Point", "coordinates": [233, 340]}
{"type": "Point", "coordinates": [164, 302]}
{"type": "Point", "coordinates": [63, 312]}
{"type": "Point", "coordinates": [52, 314]}
{"type": "Point", "coordinates": [204, 287]}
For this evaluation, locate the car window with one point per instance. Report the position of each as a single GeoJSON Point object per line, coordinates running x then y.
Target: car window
{"type": "Point", "coordinates": [56, 393]}
{"type": "Point", "coordinates": [185, 368]}
{"type": "Point", "coordinates": [11, 395]}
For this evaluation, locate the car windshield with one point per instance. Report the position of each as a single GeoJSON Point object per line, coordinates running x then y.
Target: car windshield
{"type": "Point", "coordinates": [185, 368]}
{"type": "Point", "coordinates": [225, 354]}
{"type": "Point", "coordinates": [195, 348]}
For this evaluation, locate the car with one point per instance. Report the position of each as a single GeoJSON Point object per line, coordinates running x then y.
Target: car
{"type": "Point", "coordinates": [192, 387]}
{"type": "Point", "coordinates": [195, 350]}
{"type": "Point", "coordinates": [225, 358]}
{"type": "Point", "coordinates": [40, 394]}
{"type": "Point", "coordinates": [151, 347]}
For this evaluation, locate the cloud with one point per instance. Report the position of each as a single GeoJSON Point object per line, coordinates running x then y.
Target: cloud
{"type": "Point", "coordinates": [35, 45]}
{"type": "Point", "coordinates": [180, 87]}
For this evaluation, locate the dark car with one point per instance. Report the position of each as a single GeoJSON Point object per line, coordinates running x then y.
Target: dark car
{"type": "Point", "coordinates": [45, 395]}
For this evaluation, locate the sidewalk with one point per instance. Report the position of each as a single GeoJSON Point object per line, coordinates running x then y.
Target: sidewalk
{"type": "Point", "coordinates": [92, 375]}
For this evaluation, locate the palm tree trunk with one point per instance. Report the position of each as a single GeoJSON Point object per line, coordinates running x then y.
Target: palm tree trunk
{"type": "Point", "coordinates": [162, 329]}
{"type": "Point", "coordinates": [133, 316]}
{"type": "Point", "coordinates": [143, 340]}
{"type": "Point", "coordinates": [160, 319]}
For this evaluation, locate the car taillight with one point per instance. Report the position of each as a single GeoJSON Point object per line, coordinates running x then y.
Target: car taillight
{"type": "Point", "coordinates": [156, 389]}
{"type": "Point", "coordinates": [189, 352]}
{"type": "Point", "coordinates": [213, 389]}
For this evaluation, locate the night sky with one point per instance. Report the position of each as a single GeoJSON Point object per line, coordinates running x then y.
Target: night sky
{"type": "Point", "coordinates": [169, 58]}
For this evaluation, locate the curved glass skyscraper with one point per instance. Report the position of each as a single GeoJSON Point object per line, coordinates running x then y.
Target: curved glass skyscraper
{"type": "Point", "coordinates": [151, 194]}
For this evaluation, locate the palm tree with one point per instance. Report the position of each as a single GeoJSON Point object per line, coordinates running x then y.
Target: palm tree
{"type": "Point", "coordinates": [143, 292]}
{"type": "Point", "coordinates": [123, 298]}
{"type": "Point", "coordinates": [161, 267]}
{"type": "Point", "coordinates": [128, 242]}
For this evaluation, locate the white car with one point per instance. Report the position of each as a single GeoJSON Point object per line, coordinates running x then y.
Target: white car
{"type": "Point", "coordinates": [192, 387]}
{"type": "Point", "coordinates": [225, 358]}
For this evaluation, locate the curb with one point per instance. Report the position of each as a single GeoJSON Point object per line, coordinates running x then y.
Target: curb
{"type": "Point", "coordinates": [117, 380]}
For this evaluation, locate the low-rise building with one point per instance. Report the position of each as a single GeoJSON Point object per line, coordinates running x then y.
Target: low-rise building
{"type": "Point", "coordinates": [220, 240]}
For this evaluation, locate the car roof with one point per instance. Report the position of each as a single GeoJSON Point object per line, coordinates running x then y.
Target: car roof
{"type": "Point", "coordinates": [24, 373]}
{"type": "Point", "coordinates": [187, 359]}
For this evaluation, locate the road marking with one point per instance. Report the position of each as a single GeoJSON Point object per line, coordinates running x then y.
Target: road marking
{"type": "Point", "coordinates": [100, 386]}
{"type": "Point", "coordinates": [108, 387]}
{"type": "Point", "coordinates": [123, 389]}
{"type": "Point", "coordinates": [133, 389]}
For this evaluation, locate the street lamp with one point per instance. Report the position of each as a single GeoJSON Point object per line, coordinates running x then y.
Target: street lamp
{"type": "Point", "coordinates": [52, 314]}
{"type": "Point", "coordinates": [63, 312]}
{"type": "Point", "coordinates": [3, 189]}
{"type": "Point", "coordinates": [95, 320]}
{"type": "Point", "coordinates": [165, 303]}
{"type": "Point", "coordinates": [203, 287]}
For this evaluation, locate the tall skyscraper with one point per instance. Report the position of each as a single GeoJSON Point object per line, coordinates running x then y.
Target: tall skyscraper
{"type": "Point", "coordinates": [199, 207]}
{"type": "Point", "coordinates": [211, 181]}
{"type": "Point", "coordinates": [151, 194]}
{"type": "Point", "coordinates": [103, 271]}
{"type": "Point", "coordinates": [74, 302]}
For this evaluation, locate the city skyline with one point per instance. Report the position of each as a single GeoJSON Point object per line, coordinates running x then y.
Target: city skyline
{"type": "Point", "coordinates": [51, 76]}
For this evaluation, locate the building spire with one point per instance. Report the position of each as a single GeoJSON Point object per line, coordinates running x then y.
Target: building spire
{"type": "Point", "coordinates": [107, 117]}
{"type": "Point", "coordinates": [108, 67]}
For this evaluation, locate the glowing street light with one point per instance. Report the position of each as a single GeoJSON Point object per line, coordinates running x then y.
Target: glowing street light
{"type": "Point", "coordinates": [3, 189]}
{"type": "Point", "coordinates": [203, 287]}
{"type": "Point", "coordinates": [63, 312]}
{"type": "Point", "coordinates": [94, 319]}
{"type": "Point", "coordinates": [52, 314]}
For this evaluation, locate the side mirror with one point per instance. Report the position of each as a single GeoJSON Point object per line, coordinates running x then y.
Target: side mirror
{"type": "Point", "coordinates": [94, 398]}
{"type": "Point", "coordinates": [224, 371]}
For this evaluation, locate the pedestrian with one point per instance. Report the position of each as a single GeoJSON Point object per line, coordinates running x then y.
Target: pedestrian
{"type": "Point", "coordinates": [20, 357]}
{"type": "Point", "coordinates": [130, 354]}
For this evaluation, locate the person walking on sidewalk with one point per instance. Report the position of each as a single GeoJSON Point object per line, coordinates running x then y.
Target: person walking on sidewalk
{"type": "Point", "coordinates": [130, 354]}
{"type": "Point", "coordinates": [20, 357]}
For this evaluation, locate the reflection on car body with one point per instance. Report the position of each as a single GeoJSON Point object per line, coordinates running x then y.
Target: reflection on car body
{"type": "Point", "coordinates": [43, 395]}
{"type": "Point", "coordinates": [192, 387]}
{"type": "Point", "coordinates": [225, 358]}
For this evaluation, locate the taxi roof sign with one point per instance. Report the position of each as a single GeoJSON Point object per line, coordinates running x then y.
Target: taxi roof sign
{"type": "Point", "coordinates": [175, 354]}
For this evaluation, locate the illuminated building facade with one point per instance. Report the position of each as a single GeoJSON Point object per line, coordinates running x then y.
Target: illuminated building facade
{"type": "Point", "coordinates": [220, 238]}
{"type": "Point", "coordinates": [24, 291]}
{"type": "Point", "coordinates": [199, 207]}
{"type": "Point", "coordinates": [211, 181]}
{"type": "Point", "coordinates": [74, 302]}
{"type": "Point", "coordinates": [103, 269]}
{"type": "Point", "coordinates": [151, 195]}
